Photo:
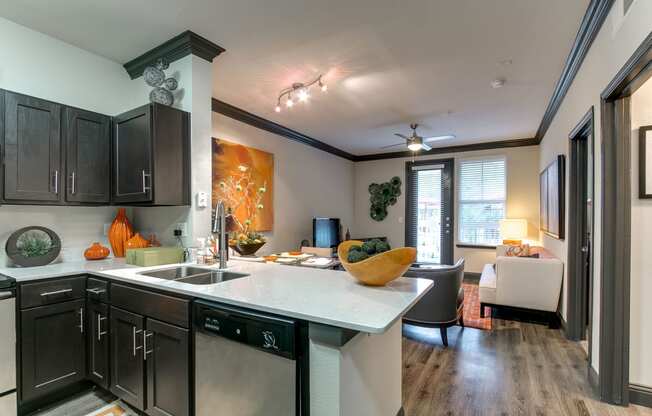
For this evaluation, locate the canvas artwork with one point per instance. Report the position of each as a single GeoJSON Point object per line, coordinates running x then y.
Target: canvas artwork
{"type": "Point", "coordinates": [243, 179]}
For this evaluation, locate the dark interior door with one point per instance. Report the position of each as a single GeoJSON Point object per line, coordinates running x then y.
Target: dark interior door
{"type": "Point", "coordinates": [168, 369]}
{"type": "Point", "coordinates": [53, 348]}
{"type": "Point", "coordinates": [132, 150]}
{"type": "Point", "coordinates": [127, 373]}
{"type": "Point", "coordinates": [32, 134]}
{"type": "Point", "coordinates": [98, 343]}
{"type": "Point", "coordinates": [429, 216]}
{"type": "Point", "coordinates": [88, 149]}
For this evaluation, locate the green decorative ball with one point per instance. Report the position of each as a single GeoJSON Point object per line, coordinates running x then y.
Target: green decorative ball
{"type": "Point", "coordinates": [373, 188]}
{"type": "Point", "coordinates": [395, 181]}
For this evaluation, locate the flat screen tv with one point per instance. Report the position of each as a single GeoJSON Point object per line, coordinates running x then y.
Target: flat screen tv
{"type": "Point", "coordinates": [326, 232]}
{"type": "Point", "coordinates": [552, 196]}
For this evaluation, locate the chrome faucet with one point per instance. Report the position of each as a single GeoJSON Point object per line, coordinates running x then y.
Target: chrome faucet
{"type": "Point", "coordinates": [219, 228]}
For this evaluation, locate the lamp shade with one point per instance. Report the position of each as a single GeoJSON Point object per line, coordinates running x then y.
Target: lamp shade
{"type": "Point", "coordinates": [513, 229]}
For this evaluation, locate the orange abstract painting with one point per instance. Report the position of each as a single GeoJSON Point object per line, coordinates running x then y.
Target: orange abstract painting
{"type": "Point", "coordinates": [243, 179]}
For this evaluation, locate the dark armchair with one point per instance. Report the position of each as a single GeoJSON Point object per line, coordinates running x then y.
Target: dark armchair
{"type": "Point", "coordinates": [443, 305]}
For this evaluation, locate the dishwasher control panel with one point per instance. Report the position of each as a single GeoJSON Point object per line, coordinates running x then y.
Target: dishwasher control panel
{"type": "Point", "coordinates": [268, 333]}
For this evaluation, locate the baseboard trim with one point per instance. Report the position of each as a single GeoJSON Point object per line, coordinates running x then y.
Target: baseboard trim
{"type": "Point", "coordinates": [640, 395]}
{"type": "Point", "coordinates": [594, 380]}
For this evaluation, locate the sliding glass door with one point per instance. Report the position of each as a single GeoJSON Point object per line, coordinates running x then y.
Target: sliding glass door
{"type": "Point", "coordinates": [429, 210]}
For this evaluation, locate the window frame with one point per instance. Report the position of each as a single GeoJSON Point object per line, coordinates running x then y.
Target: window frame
{"type": "Point", "coordinates": [458, 201]}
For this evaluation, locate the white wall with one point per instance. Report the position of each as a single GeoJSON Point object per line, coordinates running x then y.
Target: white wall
{"type": "Point", "coordinates": [522, 198]}
{"type": "Point", "coordinates": [35, 64]}
{"type": "Point", "coordinates": [617, 40]}
{"type": "Point", "coordinates": [640, 330]}
{"type": "Point", "coordinates": [307, 183]}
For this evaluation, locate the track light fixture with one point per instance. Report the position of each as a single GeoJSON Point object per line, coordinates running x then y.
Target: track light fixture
{"type": "Point", "coordinates": [302, 92]}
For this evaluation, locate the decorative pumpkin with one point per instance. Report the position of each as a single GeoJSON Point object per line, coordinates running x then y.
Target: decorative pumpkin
{"type": "Point", "coordinates": [96, 252]}
{"type": "Point", "coordinates": [121, 230]}
{"type": "Point", "coordinates": [137, 241]}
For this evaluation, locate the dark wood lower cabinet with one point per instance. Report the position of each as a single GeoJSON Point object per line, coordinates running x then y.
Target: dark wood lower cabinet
{"type": "Point", "coordinates": [168, 369]}
{"type": "Point", "coordinates": [98, 340]}
{"type": "Point", "coordinates": [52, 348]}
{"type": "Point", "coordinates": [127, 365]}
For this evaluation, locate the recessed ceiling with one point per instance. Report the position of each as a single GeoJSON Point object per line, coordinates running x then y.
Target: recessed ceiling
{"type": "Point", "coordinates": [388, 63]}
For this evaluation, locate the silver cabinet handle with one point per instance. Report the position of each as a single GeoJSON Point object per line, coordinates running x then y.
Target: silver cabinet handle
{"type": "Point", "coordinates": [100, 318]}
{"type": "Point", "coordinates": [73, 191]}
{"type": "Point", "coordinates": [145, 352]}
{"type": "Point", "coordinates": [96, 291]}
{"type": "Point", "coordinates": [145, 187]}
{"type": "Point", "coordinates": [56, 181]}
{"type": "Point", "coordinates": [133, 334]}
{"type": "Point", "coordinates": [56, 292]}
{"type": "Point", "coordinates": [81, 319]}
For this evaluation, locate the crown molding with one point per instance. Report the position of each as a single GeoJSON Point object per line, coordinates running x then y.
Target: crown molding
{"type": "Point", "coordinates": [595, 15]}
{"type": "Point", "coordinates": [262, 123]}
{"type": "Point", "coordinates": [174, 49]}
{"type": "Point", "coordinates": [500, 144]}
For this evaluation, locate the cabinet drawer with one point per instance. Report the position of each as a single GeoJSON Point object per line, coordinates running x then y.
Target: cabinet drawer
{"type": "Point", "coordinates": [52, 291]}
{"type": "Point", "coordinates": [97, 290]}
{"type": "Point", "coordinates": [155, 305]}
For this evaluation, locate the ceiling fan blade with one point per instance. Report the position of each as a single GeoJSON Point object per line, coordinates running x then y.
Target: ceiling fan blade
{"type": "Point", "coordinates": [392, 145]}
{"type": "Point", "coordinates": [425, 147]}
{"type": "Point", "coordinates": [400, 135]}
{"type": "Point", "coordinates": [436, 138]}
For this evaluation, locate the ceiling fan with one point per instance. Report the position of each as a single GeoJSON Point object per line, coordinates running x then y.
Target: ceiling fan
{"type": "Point", "coordinates": [416, 142]}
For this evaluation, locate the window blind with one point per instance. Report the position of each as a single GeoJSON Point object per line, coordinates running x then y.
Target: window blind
{"type": "Point", "coordinates": [481, 200]}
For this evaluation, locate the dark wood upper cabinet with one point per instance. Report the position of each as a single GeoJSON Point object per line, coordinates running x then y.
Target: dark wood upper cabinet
{"type": "Point", "coordinates": [88, 150]}
{"type": "Point", "coordinates": [32, 149]}
{"type": "Point", "coordinates": [52, 348]}
{"type": "Point", "coordinates": [127, 368]}
{"type": "Point", "coordinates": [168, 369]}
{"type": "Point", "coordinates": [151, 156]}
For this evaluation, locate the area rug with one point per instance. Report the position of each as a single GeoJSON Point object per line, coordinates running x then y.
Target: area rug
{"type": "Point", "coordinates": [113, 409]}
{"type": "Point", "coordinates": [472, 308]}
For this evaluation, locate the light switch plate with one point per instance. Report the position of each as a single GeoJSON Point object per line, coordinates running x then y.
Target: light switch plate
{"type": "Point", "coordinates": [202, 199]}
{"type": "Point", "coordinates": [183, 226]}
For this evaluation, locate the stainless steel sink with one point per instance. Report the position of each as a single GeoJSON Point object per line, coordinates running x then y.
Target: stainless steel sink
{"type": "Point", "coordinates": [175, 273]}
{"type": "Point", "coordinates": [216, 276]}
{"type": "Point", "coordinates": [194, 275]}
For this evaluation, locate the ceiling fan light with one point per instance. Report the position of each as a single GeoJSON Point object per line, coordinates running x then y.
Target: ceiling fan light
{"type": "Point", "coordinates": [324, 87]}
{"type": "Point", "coordinates": [278, 108]}
{"type": "Point", "coordinates": [303, 95]}
{"type": "Point", "coordinates": [414, 146]}
{"type": "Point", "coordinates": [289, 103]}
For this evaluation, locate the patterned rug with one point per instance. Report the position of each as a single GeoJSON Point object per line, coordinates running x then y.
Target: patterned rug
{"type": "Point", "coordinates": [472, 308]}
{"type": "Point", "coordinates": [114, 409]}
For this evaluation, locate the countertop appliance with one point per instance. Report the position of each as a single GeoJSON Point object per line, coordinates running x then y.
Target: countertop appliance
{"type": "Point", "coordinates": [8, 401]}
{"type": "Point", "coordinates": [247, 363]}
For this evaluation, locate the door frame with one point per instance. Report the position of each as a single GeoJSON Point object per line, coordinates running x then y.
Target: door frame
{"type": "Point", "coordinates": [613, 376]}
{"type": "Point", "coordinates": [447, 249]}
{"type": "Point", "coordinates": [576, 287]}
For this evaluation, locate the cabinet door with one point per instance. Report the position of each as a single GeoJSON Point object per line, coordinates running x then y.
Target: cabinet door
{"type": "Point", "coordinates": [32, 130]}
{"type": "Point", "coordinates": [167, 356]}
{"type": "Point", "coordinates": [127, 370]}
{"type": "Point", "coordinates": [52, 347]}
{"type": "Point", "coordinates": [97, 345]}
{"type": "Point", "coordinates": [88, 148]}
{"type": "Point", "coordinates": [132, 156]}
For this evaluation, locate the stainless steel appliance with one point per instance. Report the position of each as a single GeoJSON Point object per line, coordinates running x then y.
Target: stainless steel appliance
{"type": "Point", "coordinates": [247, 363]}
{"type": "Point", "coordinates": [8, 402]}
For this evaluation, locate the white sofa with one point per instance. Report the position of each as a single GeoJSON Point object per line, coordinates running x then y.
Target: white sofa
{"type": "Point", "coordinates": [522, 282]}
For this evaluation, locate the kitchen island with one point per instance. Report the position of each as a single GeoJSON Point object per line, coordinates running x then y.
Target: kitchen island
{"type": "Point", "coordinates": [354, 331]}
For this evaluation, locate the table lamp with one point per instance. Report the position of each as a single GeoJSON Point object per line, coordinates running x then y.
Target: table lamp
{"type": "Point", "coordinates": [513, 231]}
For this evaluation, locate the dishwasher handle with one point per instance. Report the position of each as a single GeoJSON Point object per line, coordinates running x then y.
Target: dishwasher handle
{"type": "Point", "coordinates": [7, 294]}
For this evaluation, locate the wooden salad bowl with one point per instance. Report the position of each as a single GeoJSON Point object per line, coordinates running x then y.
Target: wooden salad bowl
{"type": "Point", "coordinates": [379, 269]}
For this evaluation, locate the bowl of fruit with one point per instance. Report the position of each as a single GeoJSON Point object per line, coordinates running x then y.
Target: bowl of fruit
{"type": "Point", "coordinates": [247, 244]}
{"type": "Point", "coordinates": [373, 263]}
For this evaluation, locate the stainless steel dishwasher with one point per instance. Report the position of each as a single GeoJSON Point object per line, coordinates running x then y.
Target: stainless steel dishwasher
{"type": "Point", "coordinates": [8, 402]}
{"type": "Point", "coordinates": [247, 363]}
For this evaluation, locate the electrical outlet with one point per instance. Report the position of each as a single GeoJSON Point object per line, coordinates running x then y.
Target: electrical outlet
{"type": "Point", "coordinates": [183, 227]}
{"type": "Point", "coordinates": [106, 229]}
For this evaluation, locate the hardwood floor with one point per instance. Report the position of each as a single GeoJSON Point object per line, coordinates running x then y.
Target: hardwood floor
{"type": "Point", "coordinates": [514, 369]}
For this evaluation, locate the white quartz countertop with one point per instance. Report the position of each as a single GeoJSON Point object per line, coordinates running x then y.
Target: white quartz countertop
{"type": "Point", "coordinates": [322, 296]}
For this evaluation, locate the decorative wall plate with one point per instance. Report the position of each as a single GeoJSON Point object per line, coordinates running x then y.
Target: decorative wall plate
{"type": "Point", "coordinates": [33, 246]}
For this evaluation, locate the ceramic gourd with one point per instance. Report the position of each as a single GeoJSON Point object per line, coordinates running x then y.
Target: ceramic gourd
{"type": "Point", "coordinates": [120, 232]}
{"type": "Point", "coordinates": [96, 252]}
{"type": "Point", "coordinates": [137, 241]}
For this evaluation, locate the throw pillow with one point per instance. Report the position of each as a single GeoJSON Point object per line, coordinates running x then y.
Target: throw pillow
{"type": "Point", "coordinates": [518, 251]}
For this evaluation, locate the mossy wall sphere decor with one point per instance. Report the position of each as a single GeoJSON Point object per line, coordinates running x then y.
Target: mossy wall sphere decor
{"type": "Point", "coordinates": [382, 196]}
{"type": "Point", "coordinates": [163, 87]}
